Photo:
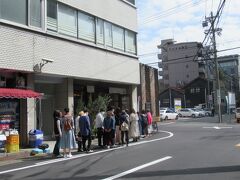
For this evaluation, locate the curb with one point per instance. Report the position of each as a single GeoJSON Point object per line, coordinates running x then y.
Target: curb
{"type": "Point", "coordinates": [14, 156]}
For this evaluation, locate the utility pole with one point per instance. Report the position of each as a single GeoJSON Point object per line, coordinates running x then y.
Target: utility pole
{"type": "Point", "coordinates": [217, 87]}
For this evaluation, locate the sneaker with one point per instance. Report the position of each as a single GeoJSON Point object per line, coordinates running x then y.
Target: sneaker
{"type": "Point", "coordinates": [69, 155]}
{"type": "Point", "coordinates": [65, 155]}
{"type": "Point", "coordinates": [59, 156]}
{"type": "Point", "coordinates": [90, 151]}
{"type": "Point", "coordinates": [108, 147]}
{"type": "Point", "coordinates": [113, 146]}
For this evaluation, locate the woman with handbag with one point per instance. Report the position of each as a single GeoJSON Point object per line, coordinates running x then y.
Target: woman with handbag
{"type": "Point", "coordinates": [124, 127]}
{"type": "Point", "coordinates": [68, 141]}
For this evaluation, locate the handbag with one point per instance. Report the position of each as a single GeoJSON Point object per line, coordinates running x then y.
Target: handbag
{"type": "Point", "coordinates": [124, 127]}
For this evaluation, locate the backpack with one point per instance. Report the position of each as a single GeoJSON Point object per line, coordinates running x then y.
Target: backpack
{"type": "Point", "coordinates": [67, 123]}
{"type": "Point", "coordinates": [145, 120]}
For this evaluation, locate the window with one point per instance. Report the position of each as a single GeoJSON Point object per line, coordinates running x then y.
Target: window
{"type": "Point", "coordinates": [197, 90]}
{"type": "Point", "coordinates": [100, 31]}
{"type": "Point", "coordinates": [15, 11]}
{"type": "Point", "coordinates": [86, 27]}
{"type": "Point", "coordinates": [165, 67]}
{"type": "Point", "coordinates": [192, 90]}
{"type": "Point", "coordinates": [67, 20]}
{"type": "Point", "coordinates": [131, 1]}
{"type": "Point", "coordinates": [130, 40]}
{"type": "Point", "coordinates": [108, 34]}
{"type": "Point", "coordinates": [118, 37]}
{"type": "Point", "coordinates": [35, 13]}
{"type": "Point", "coordinates": [52, 15]}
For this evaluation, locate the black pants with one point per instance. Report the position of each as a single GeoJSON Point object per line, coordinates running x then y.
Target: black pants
{"type": "Point", "coordinates": [79, 141]}
{"type": "Point", "coordinates": [124, 133]}
{"type": "Point", "coordinates": [57, 146]}
{"type": "Point", "coordinates": [84, 139]}
{"type": "Point", "coordinates": [100, 136]}
{"type": "Point", "coordinates": [108, 138]}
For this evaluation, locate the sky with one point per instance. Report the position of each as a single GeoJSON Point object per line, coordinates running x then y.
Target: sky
{"type": "Point", "coordinates": [181, 20]}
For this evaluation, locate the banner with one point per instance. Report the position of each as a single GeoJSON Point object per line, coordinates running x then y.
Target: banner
{"type": "Point", "coordinates": [177, 103]}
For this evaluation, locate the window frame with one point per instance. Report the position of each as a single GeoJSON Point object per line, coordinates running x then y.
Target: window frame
{"type": "Point", "coordinates": [123, 31]}
{"type": "Point", "coordinates": [76, 20]}
{"type": "Point", "coordinates": [46, 21]}
{"type": "Point", "coordinates": [15, 22]}
{"type": "Point", "coordinates": [135, 41]}
{"type": "Point", "coordinates": [95, 26]}
{"type": "Point", "coordinates": [42, 14]}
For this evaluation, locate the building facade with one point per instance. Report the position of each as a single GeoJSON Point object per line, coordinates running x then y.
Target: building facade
{"type": "Point", "coordinates": [148, 90]}
{"type": "Point", "coordinates": [65, 49]}
{"type": "Point", "coordinates": [191, 95]}
{"type": "Point", "coordinates": [179, 63]}
{"type": "Point", "coordinates": [230, 67]}
{"type": "Point", "coordinates": [171, 98]}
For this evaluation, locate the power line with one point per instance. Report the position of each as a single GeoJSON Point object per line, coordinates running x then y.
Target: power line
{"type": "Point", "coordinates": [175, 7]}
{"type": "Point", "coordinates": [205, 59]}
{"type": "Point", "coordinates": [181, 8]}
{"type": "Point", "coordinates": [156, 53]}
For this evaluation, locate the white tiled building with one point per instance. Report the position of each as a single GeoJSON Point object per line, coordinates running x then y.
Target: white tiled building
{"type": "Point", "coordinates": [91, 46]}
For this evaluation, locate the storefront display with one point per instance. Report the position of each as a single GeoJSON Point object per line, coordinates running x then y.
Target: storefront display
{"type": "Point", "coordinates": [9, 114]}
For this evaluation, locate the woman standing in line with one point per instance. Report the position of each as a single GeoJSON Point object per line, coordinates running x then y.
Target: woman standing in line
{"type": "Point", "coordinates": [150, 119]}
{"type": "Point", "coordinates": [68, 141]}
{"type": "Point", "coordinates": [57, 115]}
{"type": "Point", "coordinates": [134, 127]}
{"type": "Point", "coordinates": [117, 124]}
{"type": "Point", "coordinates": [124, 127]}
{"type": "Point", "coordinates": [78, 132]}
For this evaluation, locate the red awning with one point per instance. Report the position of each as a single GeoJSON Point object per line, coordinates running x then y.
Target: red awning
{"type": "Point", "coordinates": [18, 93]}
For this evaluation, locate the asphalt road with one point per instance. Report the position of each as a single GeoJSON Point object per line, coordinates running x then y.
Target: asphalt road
{"type": "Point", "coordinates": [188, 149]}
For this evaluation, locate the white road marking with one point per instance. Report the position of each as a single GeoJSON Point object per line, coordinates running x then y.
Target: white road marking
{"type": "Point", "coordinates": [237, 145]}
{"type": "Point", "coordinates": [217, 127]}
{"type": "Point", "coordinates": [84, 155]}
{"type": "Point", "coordinates": [163, 124]}
{"type": "Point", "coordinates": [138, 168]}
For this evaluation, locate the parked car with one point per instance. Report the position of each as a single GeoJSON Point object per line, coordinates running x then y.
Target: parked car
{"type": "Point", "coordinates": [187, 112]}
{"type": "Point", "coordinates": [164, 108]}
{"type": "Point", "coordinates": [238, 114]}
{"type": "Point", "coordinates": [201, 111]}
{"type": "Point", "coordinates": [208, 112]}
{"type": "Point", "coordinates": [168, 114]}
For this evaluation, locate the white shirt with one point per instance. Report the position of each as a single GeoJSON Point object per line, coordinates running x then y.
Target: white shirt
{"type": "Point", "coordinates": [77, 124]}
{"type": "Point", "coordinates": [99, 120]}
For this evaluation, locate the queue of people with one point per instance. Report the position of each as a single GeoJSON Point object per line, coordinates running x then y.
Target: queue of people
{"type": "Point", "coordinates": [113, 127]}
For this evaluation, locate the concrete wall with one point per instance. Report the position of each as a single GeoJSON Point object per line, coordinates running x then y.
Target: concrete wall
{"type": "Point", "coordinates": [21, 50]}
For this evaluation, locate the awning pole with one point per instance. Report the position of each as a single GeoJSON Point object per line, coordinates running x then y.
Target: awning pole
{"type": "Point", "coordinates": [40, 114]}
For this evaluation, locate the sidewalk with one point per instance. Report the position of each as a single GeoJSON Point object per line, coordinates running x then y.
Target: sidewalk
{"type": "Point", "coordinates": [26, 152]}
{"type": "Point", "coordinates": [23, 154]}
